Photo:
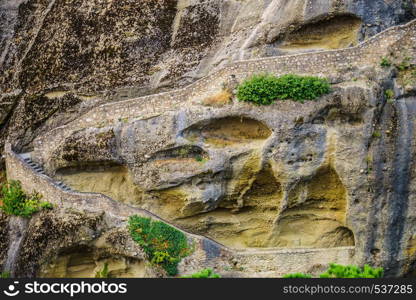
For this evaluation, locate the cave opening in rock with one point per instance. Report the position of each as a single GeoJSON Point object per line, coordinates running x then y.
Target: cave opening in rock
{"type": "Point", "coordinates": [315, 215]}
{"type": "Point", "coordinates": [183, 159]}
{"type": "Point", "coordinates": [332, 33]}
{"type": "Point", "coordinates": [85, 262]}
{"type": "Point", "coordinates": [228, 131]}
{"type": "Point", "coordinates": [114, 181]}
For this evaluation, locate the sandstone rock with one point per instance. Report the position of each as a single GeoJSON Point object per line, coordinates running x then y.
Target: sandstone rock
{"type": "Point", "coordinates": [285, 188]}
{"type": "Point", "coordinates": [139, 47]}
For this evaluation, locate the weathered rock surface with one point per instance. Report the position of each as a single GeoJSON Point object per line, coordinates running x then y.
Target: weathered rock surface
{"type": "Point", "coordinates": [290, 175]}
{"type": "Point", "coordinates": [72, 244]}
{"type": "Point", "coordinates": [138, 47]}
{"type": "Point", "coordinates": [4, 237]}
{"type": "Point", "coordinates": [325, 179]}
{"type": "Point", "coordinates": [274, 176]}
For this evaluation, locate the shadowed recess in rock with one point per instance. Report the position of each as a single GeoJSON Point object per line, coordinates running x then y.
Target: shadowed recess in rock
{"type": "Point", "coordinates": [82, 262]}
{"type": "Point", "coordinates": [180, 152]}
{"type": "Point", "coordinates": [113, 181]}
{"type": "Point", "coordinates": [315, 214]}
{"type": "Point", "coordinates": [228, 131]}
{"type": "Point", "coordinates": [179, 159]}
{"type": "Point", "coordinates": [333, 33]}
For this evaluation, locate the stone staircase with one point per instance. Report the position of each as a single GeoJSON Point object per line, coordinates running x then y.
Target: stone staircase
{"type": "Point", "coordinates": [39, 170]}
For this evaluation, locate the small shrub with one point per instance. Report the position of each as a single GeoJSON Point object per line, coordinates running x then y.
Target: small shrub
{"type": "Point", "coordinates": [5, 275]}
{"type": "Point", "coordinates": [205, 273]}
{"type": "Point", "coordinates": [123, 120]}
{"type": "Point", "coordinates": [265, 89]}
{"type": "Point", "coordinates": [385, 62]}
{"type": "Point", "coordinates": [340, 271]}
{"type": "Point", "coordinates": [46, 205]}
{"type": "Point", "coordinates": [260, 89]}
{"type": "Point", "coordinates": [103, 273]}
{"type": "Point", "coordinates": [377, 134]}
{"type": "Point", "coordinates": [404, 65]}
{"type": "Point", "coordinates": [389, 94]}
{"type": "Point", "coordinates": [297, 275]}
{"type": "Point", "coordinates": [14, 201]}
{"type": "Point", "coordinates": [183, 152]}
{"type": "Point", "coordinates": [201, 159]}
{"type": "Point", "coordinates": [162, 257]}
{"type": "Point", "coordinates": [164, 245]}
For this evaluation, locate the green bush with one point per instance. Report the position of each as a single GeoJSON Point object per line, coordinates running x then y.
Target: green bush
{"type": "Point", "coordinates": [405, 64]}
{"type": "Point", "coordinates": [376, 134]}
{"type": "Point", "coordinates": [163, 244]}
{"type": "Point", "coordinates": [265, 89]}
{"type": "Point", "coordinates": [340, 271]}
{"type": "Point", "coordinates": [14, 201]}
{"type": "Point", "coordinates": [297, 275]}
{"type": "Point", "coordinates": [5, 275]}
{"type": "Point", "coordinates": [385, 62]}
{"type": "Point", "coordinates": [389, 94]}
{"type": "Point", "coordinates": [205, 273]}
{"type": "Point", "coordinates": [260, 89]}
{"type": "Point", "coordinates": [162, 257]}
{"type": "Point", "coordinates": [104, 273]}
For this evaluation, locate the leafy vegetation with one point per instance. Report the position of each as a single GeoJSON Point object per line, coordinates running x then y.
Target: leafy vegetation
{"type": "Point", "coordinates": [162, 258]}
{"type": "Point", "coordinates": [389, 94]}
{"type": "Point", "coordinates": [5, 275]}
{"type": "Point", "coordinates": [201, 159]}
{"type": "Point", "coordinates": [164, 245]}
{"type": "Point", "coordinates": [205, 273]}
{"type": "Point", "coordinates": [14, 201]}
{"type": "Point", "coordinates": [297, 275]}
{"type": "Point", "coordinates": [404, 65]}
{"type": "Point", "coordinates": [376, 134]}
{"type": "Point", "coordinates": [265, 89]}
{"type": "Point", "coordinates": [385, 62]}
{"type": "Point", "coordinates": [104, 273]}
{"type": "Point", "coordinates": [340, 271]}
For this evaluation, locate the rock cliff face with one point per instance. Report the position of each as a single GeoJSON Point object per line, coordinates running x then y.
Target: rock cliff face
{"type": "Point", "coordinates": [326, 174]}
{"type": "Point", "coordinates": [94, 48]}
